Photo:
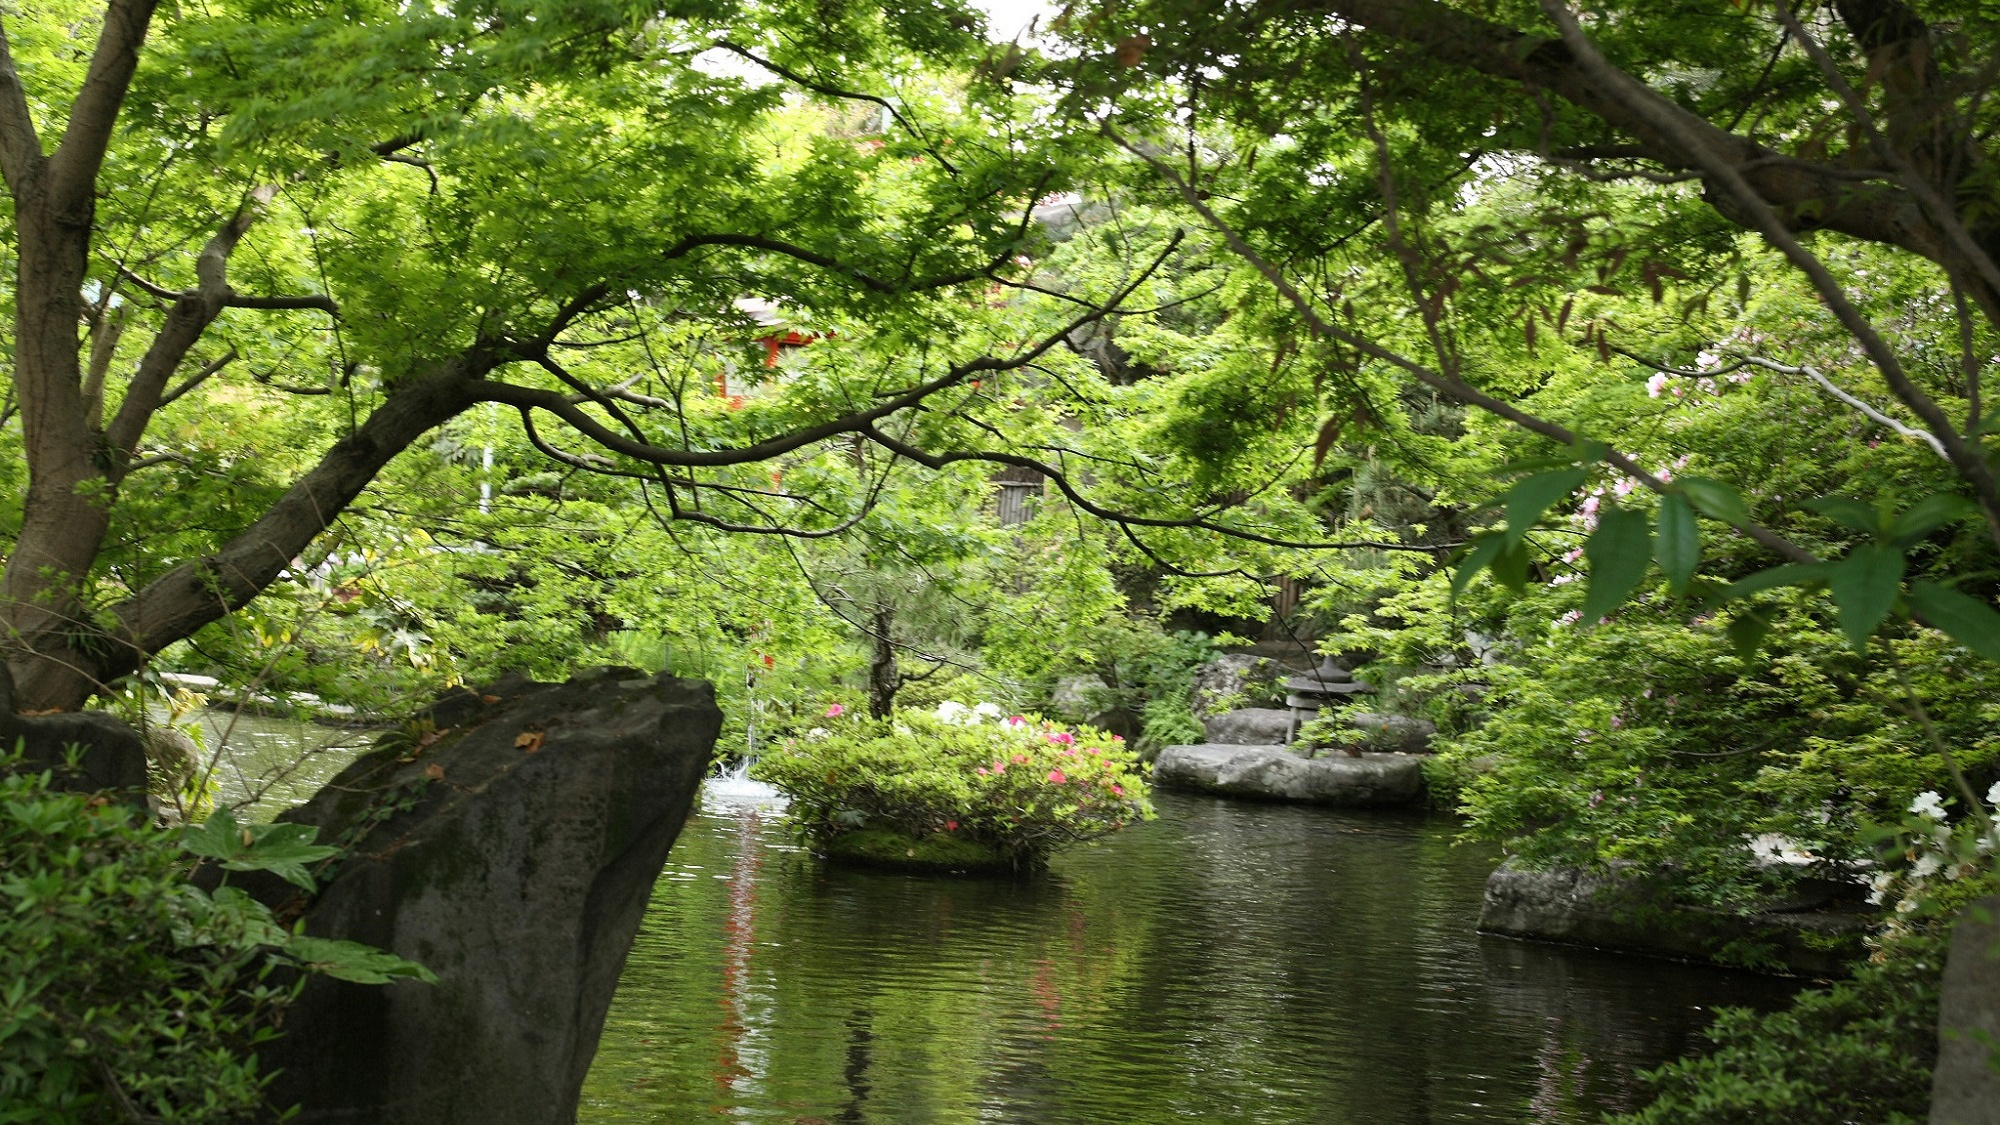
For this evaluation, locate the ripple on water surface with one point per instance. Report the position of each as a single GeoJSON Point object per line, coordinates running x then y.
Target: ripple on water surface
{"type": "Point", "coordinates": [1228, 963]}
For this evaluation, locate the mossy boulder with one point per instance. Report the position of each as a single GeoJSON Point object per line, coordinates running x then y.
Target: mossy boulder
{"type": "Point", "coordinates": [508, 841]}
{"type": "Point", "coordinates": [939, 853]}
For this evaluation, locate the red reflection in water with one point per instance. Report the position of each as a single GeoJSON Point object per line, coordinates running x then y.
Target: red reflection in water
{"type": "Point", "coordinates": [740, 935]}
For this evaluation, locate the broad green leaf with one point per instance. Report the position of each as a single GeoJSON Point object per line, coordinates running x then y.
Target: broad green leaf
{"type": "Point", "coordinates": [1679, 544]}
{"type": "Point", "coordinates": [350, 960]}
{"type": "Point", "coordinates": [1789, 574]}
{"type": "Point", "coordinates": [1527, 500]}
{"type": "Point", "coordinates": [1510, 567]}
{"type": "Point", "coordinates": [1961, 617]}
{"type": "Point", "coordinates": [1929, 514]}
{"type": "Point", "coordinates": [282, 849]}
{"type": "Point", "coordinates": [1747, 633]}
{"type": "Point", "coordinates": [1620, 551]}
{"type": "Point", "coordinates": [1864, 586]}
{"type": "Point", "coordinates": [1484, 548]}
{"type": "Point", "coordinates": [1849, 512]}
{"type": "Point", "coordinates": [1582, 453]}
{"type": "Point", "coordinates": [1715, 498]}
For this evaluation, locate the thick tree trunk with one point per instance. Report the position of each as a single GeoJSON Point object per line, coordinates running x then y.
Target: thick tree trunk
{"type": "Point", "coordinates": [63, 668]}
{"type": "Point", "coordinates": [883, 679]}
{"type": "Point", "coordinates": [66, 509]}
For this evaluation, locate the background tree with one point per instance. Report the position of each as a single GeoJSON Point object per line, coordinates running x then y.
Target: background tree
{"type": "Point", "coordinates": [390, 211]}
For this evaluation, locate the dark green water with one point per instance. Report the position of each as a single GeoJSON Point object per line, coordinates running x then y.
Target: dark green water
{"type": "Point", "coordinates": [1228, 962]}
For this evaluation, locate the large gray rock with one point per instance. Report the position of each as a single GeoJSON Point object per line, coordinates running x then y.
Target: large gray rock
{"type": "Point", "coordinates": [1233, 679]}
{"type": "Point", "coordinates": [1248, 726]}
{"type": "Point", "coordinates": [1079, 697]}
{"type": "Point", "coordinates": [513, 857]}
{"type": "Point", "coordinates": [108, 753]}
{"type": "Point", "coordinates": [1398, 734]}
{"type": "Point", "coordinates": [1965, 1088]}
{"type": "Point", "coordinates": [1276, 774]}
{"type": "Point", "coordinates": [1634, 915]}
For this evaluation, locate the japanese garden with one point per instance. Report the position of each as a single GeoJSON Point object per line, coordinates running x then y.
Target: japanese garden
{"type": "Point", "coordinates": [1376, 561]}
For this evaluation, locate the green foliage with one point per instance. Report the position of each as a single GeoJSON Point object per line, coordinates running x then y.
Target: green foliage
{"type": "Point", "coordinates": [1861, 1050]}
{"type": "Point", "coordinates": [128, 992]}
{"type": "Point", "coordinates": [1020, 787]}
{"type": "Point", "coordinates": [1647, 741]}
{"type": "Point", "coordinates": [133, 994]}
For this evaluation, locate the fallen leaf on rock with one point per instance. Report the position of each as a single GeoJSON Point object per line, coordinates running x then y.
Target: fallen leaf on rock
{"type": "Point", "coordinates": [434, 771]}
{"type": "Point", "coordinates": [529, 740]}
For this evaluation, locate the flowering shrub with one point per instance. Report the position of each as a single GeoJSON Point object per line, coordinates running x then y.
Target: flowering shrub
{"type": "Point", "coordinates": [1018, 787]}
{"type": "Point", "coordinates": [1930, 854]}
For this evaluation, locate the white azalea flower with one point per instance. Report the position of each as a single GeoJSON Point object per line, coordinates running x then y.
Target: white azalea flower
{"type": "Point", "coordinates": [1928, 804]}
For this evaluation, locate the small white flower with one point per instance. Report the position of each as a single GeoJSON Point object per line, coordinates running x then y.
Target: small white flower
{"type": "Point", "coordinates": [986, 711]}
{"type": "Point", "coordinates": [1906, 906]}
{"type": "Point", "coordinates": [1927, 865]}
{"type": "Point", "coordinates": [1928, 804]}
{"type": "Point", "coordinates": [952, 711]}
{"type": "Point", "coordinates": [1993, 795]}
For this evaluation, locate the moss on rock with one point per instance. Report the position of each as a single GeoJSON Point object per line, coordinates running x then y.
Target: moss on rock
{"type": "Point", "coordinates": [937, 853]}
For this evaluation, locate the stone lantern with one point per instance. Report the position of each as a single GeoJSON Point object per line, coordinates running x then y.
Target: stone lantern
{"type": "Point", "coordinates": [1325, 686]}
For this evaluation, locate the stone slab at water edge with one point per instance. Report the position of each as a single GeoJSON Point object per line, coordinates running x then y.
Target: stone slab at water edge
{"type": "Point", "coordinates": [1274, 773]}
{"type": "Point", "coordinates": [1632, 914]}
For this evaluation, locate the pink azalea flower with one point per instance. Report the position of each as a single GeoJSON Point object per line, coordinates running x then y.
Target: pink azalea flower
{"type": "Point", "coordinates": [1017, 721]}
{"type": "Point", "coordinates": [1061, 737]}
{"type": "Point", "coordinates": [951, 826]}
{"type": "Point", "coordinates": [982, 771]}
{"type": "Point", "coordinates": [835, 711]}
{"type": "Point", "coordinates": [1057, 777]}
{"type": "Point", "coordinates": [1117, 790]}
{"type": "Point", "coordinates": [1117, 738]}
{"type": "Point", "coordinates": [1020, 759]}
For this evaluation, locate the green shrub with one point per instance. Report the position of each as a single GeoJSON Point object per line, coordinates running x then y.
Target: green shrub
{"type": "Point", "coordinates": [131, 994]}
{"type": "Point", "coordinates": [1645, 741]}
{"type": "Point", "coordinates": [1860, 1051]}
{"type": "Point", "coordinates": [1017, 786]}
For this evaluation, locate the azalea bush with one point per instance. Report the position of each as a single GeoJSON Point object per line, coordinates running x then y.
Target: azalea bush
{"type": "Point", "coordinates": [1016, 787]}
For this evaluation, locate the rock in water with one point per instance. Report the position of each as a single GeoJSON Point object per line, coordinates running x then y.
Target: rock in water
{"type": "Point", "coordinates": [1272, 773]}
{"type": "Point", "coordinates": [1628, 912]}
{"type": "Point", "coordinates": [510, 846]}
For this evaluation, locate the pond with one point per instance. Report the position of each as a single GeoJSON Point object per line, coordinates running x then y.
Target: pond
{"type": "Point", "coordinates": [1228, 962]}
{"type": "Point", "coordinates": [265, 764]}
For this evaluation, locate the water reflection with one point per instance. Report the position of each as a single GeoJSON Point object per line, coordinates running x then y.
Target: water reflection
{"type": "Point", "coordinates": [1228, 962]}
